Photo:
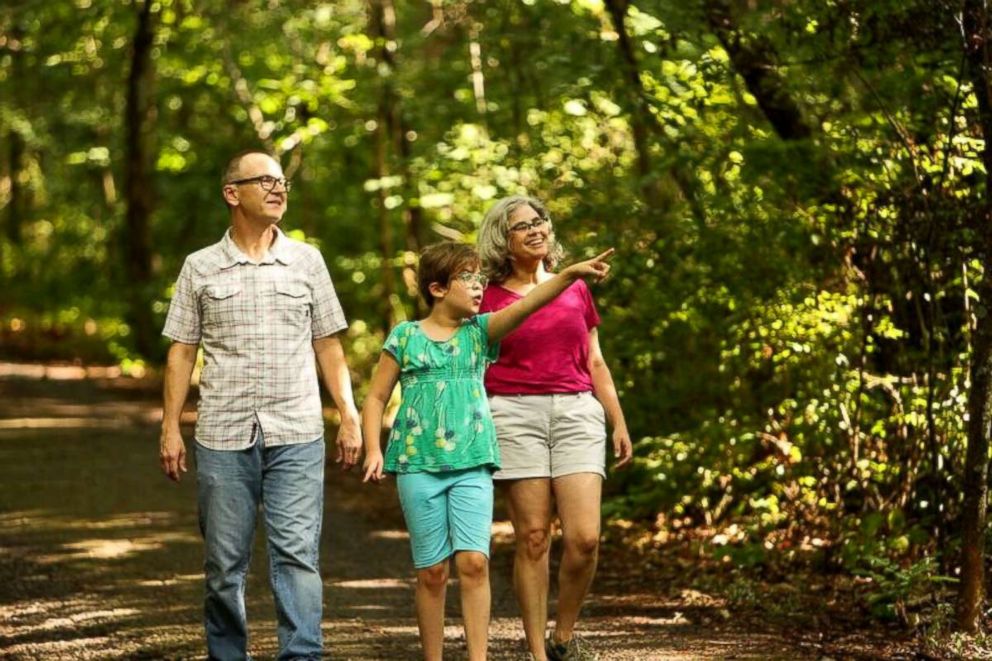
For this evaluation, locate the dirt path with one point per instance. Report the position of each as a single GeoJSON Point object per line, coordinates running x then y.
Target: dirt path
{"type": "Point", "coordinates": [100, 556]}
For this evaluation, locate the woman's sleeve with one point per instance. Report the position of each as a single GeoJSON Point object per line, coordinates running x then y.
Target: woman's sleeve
{"type": "Point", "coordinates": [591, 315]}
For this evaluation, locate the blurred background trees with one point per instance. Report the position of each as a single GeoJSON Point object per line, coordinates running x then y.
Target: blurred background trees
{"type": "Point", "coordinates": [797, 192]}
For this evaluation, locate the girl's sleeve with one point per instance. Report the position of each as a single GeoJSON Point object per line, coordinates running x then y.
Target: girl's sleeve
{"type": "Point", "coordinates": [395, 344]}
{"type": "Point", "coordinates": [490, 351]}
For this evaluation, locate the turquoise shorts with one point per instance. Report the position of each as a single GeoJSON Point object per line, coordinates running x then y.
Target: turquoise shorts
{"type": "Point", "coordinates": [447, 512]}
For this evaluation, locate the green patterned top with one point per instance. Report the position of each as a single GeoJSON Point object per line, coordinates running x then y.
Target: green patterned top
{"type": "Point", "coordinates": [443, 423]}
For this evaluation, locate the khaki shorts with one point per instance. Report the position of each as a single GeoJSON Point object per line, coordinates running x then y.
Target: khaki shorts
{"type": "Point", "coordinates": [549, 435]}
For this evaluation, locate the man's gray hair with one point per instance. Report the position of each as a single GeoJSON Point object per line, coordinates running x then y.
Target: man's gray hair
{"type": "Point", "coordinates": [233, 168]}
{"type": "Point", "coordinates": [493, 245]}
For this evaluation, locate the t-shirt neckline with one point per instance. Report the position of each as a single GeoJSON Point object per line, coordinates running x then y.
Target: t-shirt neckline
{"type": "Point", "coordinates": [431, 339]}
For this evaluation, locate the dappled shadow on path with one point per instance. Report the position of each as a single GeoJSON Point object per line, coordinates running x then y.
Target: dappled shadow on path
{"type": "Point", "coordinates": [100, 556]}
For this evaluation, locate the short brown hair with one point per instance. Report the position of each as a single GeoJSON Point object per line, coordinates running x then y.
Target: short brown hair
{"type": "Point", "coordinates": [233, 168]}
{"type": "Point", "coordinates": [440, 262]}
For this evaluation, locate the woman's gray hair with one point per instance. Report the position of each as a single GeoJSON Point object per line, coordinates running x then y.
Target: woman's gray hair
{"type": "Point", "coordinates": [495, 230]}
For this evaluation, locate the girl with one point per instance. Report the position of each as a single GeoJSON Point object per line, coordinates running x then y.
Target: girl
{"type": "Point", "coordinates": [443, 445]}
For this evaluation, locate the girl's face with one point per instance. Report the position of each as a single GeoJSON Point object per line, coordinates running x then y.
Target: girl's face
{"type": "Point", "coordinates": [463, 295]}
{"type": "Point", "coordinates": [528, 235]}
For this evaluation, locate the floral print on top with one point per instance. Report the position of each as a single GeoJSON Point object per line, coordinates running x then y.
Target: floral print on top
{"type": "Point", "coordinates": [443, 423]}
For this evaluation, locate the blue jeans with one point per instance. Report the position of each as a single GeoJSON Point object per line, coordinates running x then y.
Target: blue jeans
{"type": "Point", "coordinates": [288, 482]}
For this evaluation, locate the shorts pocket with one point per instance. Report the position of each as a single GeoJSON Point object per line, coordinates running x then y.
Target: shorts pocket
{"type": "Point", "coordinates": [595, 409]}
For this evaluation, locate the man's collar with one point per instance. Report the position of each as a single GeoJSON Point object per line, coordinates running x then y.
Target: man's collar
{"type": "Point", "coordinates": [279, 250]}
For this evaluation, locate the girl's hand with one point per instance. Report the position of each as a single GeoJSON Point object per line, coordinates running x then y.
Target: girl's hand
{"type": "Point", "coordinates": [596, 268]}
{"type": "Point", "coordinates": [373, 466]}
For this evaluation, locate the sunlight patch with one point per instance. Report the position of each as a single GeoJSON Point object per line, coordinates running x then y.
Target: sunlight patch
{"type": "Point", "coordinates": [109, 548]}
{"type": "Point", "coordinates": [390, 534]}
{"type": "Point", "coordinates": [375, 583]}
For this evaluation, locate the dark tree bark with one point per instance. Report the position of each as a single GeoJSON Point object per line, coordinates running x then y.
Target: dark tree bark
{"type": "Point", "coordinates": [384, 28]}
{"type": "Point", "coordinates": [15, 204]}
{"type": "Point", "coordinates": [755, 60]}
{"type": "Point", "coordinates": [15, 147]}
{"type": "Point", "coordinates": [392, 134]}
{"type": "Point", "coordinates": [139, 194]}
{"type": "Point", "coordinates": [977, 35]}
{"type": "Point", "coordinates": [639, 113]}
{"type": "Point", "coordinates": [381, 18]}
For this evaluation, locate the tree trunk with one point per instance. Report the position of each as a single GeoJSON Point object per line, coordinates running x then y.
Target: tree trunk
{"type": "Point", "coordinates": [638, 119]}
{"type": "Point", "coordinates": [755, 60]}
{"type": "Point", "coordinates": [393, 125]}
{"type": "Point", "coordinates": [15, 204]}
{"type": "Point", "coordinates": [643, 124]}
{"type": "Point", "coordinates": [15, 154]}
{"type": "Point", "coordinates": [382, 19]}
{"type": "Point", "coordinates": [976, 470]}
{"type": "Point", "coordinates": [138, 184]}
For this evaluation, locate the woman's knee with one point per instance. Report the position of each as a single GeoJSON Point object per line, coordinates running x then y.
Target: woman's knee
{"type": "Point", "coordinates": [534, 542]}
{"type": "Point", "coordinates": [434, 577]}
{"type": "Point", "coordinates": [585, 545]}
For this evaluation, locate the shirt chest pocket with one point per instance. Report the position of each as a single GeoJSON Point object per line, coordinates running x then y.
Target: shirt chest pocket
{"type": "Point", "coordinates": [222, 305]}
{"type": "Point", "coordinates": [291, 303]}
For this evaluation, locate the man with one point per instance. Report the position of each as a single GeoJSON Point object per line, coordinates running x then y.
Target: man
{"type": "Point", "coordinates": [263, 307]}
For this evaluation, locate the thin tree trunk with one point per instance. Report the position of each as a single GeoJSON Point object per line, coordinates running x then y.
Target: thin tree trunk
{"type": "Point", "coordinates": [15, 203]}
{"type": "Point", "coordinates": [643, 124]}
{"type": "Point", "coordinates": [15, 154]}
{"type": "Point", "coordinates": [138, 187]}
{"type": "Point", "coordinates": [754, 59]}
{"type": "Point", "coordinates": [391, 121]}
{"type": "Point", "coordinates": [382, 19]}
{"type": "Point", "coordinates": [973, 515]}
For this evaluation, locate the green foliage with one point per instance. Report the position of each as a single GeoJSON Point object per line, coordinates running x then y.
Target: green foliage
{"type": "Point", "coordinates": [789, 320]}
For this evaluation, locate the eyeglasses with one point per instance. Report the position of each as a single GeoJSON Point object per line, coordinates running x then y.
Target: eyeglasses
{"type": "Point", "coordinates": [266, 182]}
{"type": "Point", "coordinates": [468, 277]}
{"type": "Point", "coordinates": [525, 226]}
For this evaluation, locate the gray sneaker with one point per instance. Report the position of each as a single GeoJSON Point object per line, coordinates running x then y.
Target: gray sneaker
{"type": "Point", "coordinates": [575, 649]}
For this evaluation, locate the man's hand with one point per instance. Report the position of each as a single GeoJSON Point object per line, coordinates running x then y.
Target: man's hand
{"type": "Point", "coordinates": [349, 441]}
{"type": "Point", "coordinates": [172, 453]}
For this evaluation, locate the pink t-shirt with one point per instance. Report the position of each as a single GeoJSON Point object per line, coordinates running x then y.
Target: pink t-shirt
{"type": "Point", "coordinates": [548, 353]}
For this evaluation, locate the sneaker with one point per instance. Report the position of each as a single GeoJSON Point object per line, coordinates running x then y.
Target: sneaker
{"type": "Point", "coordinates": [575, 649]}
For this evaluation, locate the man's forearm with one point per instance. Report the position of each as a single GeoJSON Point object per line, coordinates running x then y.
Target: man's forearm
{"type": "Point", "coordinates": [337, 379]}
{"type": "Point", "coordinates": [178, 370]}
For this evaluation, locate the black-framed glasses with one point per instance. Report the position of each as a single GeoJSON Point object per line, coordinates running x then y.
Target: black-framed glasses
{"type": "Point", "coordinates": [468, 277]}
{"type": "Point", "coordinates": [525, 226]}
{"type": "Point", "coordinates": [266, 182]}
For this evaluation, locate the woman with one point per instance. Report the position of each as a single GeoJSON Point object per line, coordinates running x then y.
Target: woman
{"type": "Point", "coordinates": [548, 394]}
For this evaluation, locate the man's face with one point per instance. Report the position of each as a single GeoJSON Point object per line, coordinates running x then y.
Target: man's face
{"type": "Point", "coordinates": [256, 195]}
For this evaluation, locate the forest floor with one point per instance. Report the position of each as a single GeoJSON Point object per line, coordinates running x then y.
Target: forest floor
{"type": "Point", "coordinates": [100, 558]}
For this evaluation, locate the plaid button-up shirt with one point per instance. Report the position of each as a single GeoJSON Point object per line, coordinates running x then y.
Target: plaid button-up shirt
{"type": "Point", "coordinates": [257, 323]}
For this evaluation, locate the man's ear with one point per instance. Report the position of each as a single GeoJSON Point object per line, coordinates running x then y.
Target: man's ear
{"type": "Point", "coordinates": [230, 194]}
{"type": "Point", "coordinates": [437, 290]}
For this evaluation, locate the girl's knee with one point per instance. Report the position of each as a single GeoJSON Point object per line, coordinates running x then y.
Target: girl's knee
{"type": "Point", "coordinates": [472, 565]}
{"type": "Point", "coordinates": [434, 577]}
